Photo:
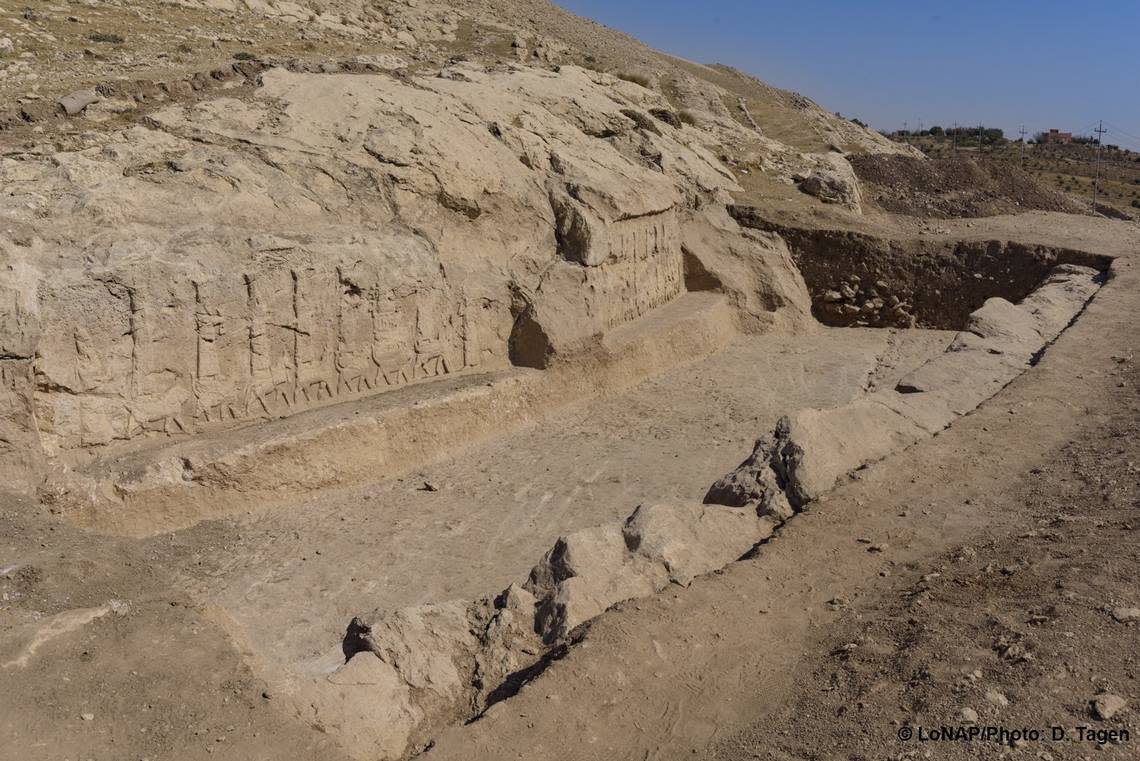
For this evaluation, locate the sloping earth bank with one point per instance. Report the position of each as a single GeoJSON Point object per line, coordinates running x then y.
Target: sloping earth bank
{"type": "Point", "coordinates": [955, 187]}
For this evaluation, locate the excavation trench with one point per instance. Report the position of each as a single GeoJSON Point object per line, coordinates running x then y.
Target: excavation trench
{"type": "Point", "coordinates": [402, 673]}
{"type": "Point", "coordinates": [404, 512]}
{"type": "Point", "coordinates": [864, 280]}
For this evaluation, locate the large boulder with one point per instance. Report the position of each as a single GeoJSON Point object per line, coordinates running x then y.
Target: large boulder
{"type": "Point", "coordinates": [754, 269]}
{"type": "Point", "coordinates": [585, 573]}
{"type": "Point", "coordinates": [815, 448]}
{"type": "Point", "coordinates": [833, 180]}
{"type": "Point", "coordinates": [365, 704]}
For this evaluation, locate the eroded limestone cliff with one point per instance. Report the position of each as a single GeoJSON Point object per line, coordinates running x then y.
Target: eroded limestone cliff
{"type": "Point", "coordinates": [335, 235]}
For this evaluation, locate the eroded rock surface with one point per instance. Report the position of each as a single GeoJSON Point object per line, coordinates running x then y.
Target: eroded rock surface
{"type": "Point", "coordinates": [452, 660]}
{"type": "Point", "coordinates": [338, 235]}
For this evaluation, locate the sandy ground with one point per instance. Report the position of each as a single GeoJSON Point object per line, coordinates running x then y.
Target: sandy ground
{"type": "Point", "coordinates": [1020, 630]}
{"type": "Point", "coordinates": [499, 506]}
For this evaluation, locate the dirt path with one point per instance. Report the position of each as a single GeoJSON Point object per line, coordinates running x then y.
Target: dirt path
{"type": "Point", "coordinates": [679, 674]}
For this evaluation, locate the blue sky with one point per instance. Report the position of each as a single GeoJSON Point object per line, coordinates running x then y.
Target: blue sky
{"type": "Point", "coordinates": [1003, 62]}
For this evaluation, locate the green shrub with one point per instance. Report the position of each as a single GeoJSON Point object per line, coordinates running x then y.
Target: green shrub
{"type": "Point", "coordinates": [242, 55]}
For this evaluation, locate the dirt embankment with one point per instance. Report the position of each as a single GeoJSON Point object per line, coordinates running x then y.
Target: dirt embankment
{"type": "Point", "coordinates": [954, 187]}
{"type": "Point", "coordinates": [867, 280]}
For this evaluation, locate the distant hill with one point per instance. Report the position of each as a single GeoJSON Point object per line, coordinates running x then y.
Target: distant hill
{"type": "Point", "coordinates": [1069, 168]}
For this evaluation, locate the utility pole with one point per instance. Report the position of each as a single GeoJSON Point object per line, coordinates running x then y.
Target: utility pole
{"type": "Point", "coordinates": [1022, 133]}
{"type": "Point", "coordinates": [954, 143]}
{"type": "Point", "coordinates": [1100, 130]}
{"type": "Point", "coordinates": [981, 140]}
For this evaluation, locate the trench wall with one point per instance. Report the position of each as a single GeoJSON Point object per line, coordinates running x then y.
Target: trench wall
{"type": "Point", "coordinates": [863, 280]}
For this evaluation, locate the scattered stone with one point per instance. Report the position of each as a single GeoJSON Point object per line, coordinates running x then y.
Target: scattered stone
{"type": "Point", "coordinates": [996, 698]}
{"type": "Point", "coordinates": [87, 716]}
{"type": "Point", "coordinates": [1106, 705]}
{"type": "Point", "coordinates": [1126, 615]}
{"type": "Point", "coordinates": [968, 716]}
{"type": "Point", "coordinates": [76, 102]}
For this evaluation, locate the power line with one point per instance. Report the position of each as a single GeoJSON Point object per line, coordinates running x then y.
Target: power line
{"type": "Point", "coordinates": [1121, 131]}
{"type": "Point", "coordinates": [1100, 131]}
{"type": "Point", "coordinates": [1131, 141]}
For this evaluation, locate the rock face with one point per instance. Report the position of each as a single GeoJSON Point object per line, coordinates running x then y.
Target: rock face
{"type": "Point", "coordinates": [413, 670]}
{"type": "Point", "coordinates": [339, 235]}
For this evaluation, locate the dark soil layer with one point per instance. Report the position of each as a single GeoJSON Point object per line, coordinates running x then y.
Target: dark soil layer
{"type": "Point", "coordinates": [1019, 632]}
{"type": "Point", "coordinates": [863, 280]}
{"type": "Point", "coordinates": [954, 187]}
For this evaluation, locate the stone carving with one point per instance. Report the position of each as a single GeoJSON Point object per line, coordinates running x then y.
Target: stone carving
{"type": "Point", "coordinates": [328, 236]}
{"type": "Point", "coordinates": [643, 269]}
{"type": "Point", "coordinates": [614, 273]}
{"type": "Point", "coordinates": [197, 353]}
